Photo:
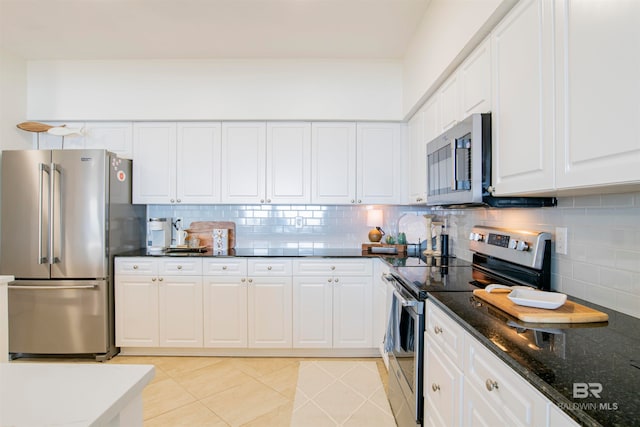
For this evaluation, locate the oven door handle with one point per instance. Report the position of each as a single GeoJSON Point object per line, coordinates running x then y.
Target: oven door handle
{"type": "Point", "coordinates": [406, 302]}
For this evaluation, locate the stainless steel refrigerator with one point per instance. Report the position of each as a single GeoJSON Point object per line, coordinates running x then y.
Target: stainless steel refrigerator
{"type": "Point", "coordinates": [65, 214]}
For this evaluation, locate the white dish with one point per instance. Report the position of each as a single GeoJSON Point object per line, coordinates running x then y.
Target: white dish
{"type": "Point", "coordinates": [414, 227]}
{"type": "Point", "coordinates": [538, 299]}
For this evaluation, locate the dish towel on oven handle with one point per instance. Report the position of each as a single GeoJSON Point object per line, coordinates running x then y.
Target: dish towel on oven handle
{"type": "Point", "coordinates": [392, 337]}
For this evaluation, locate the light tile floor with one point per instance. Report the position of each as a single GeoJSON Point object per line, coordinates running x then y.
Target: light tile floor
{"type": "Point", "coordinates": [226, 391]}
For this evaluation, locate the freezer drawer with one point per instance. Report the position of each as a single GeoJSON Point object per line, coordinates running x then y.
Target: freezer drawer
{"type": "Point", "coordinates": [58, 317]}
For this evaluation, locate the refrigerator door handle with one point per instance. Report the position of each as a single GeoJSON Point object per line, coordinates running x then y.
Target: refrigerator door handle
{"type": "Point", "coordinates": [42, 169]}
{"type": "Point", "coordinates": [42, 287]}
{"type": "Point", "coordinates": [53, 259]}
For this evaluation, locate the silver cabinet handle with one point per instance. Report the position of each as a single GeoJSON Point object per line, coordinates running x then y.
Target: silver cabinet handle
{"type": "Point", "coordinates": [224, 267]}
{"type": "Point", "coordinates": [160, 279]}
{"type": "Point", "coordinates": [353, 201]}
{"type": "Point", "coordinates": [179, 267]}
{"type": "Point", "coordinates": [437, 329]}
{"type": "Point", "coordinates": [179, 200]}
{"type": "Point", "coordinates": [359, 201]}
{"type": "Point", "coordinates": [135, 267]}
{"type": "Point", "coordinates": [268, 200]}
{"type": "Point", "coordinates": [329, 280]}
{"type": "Point", "coordinates": [491, 384]}
{"type": "Point", "coordinates": [333, 267]}
{"type": "Point", "coordinates": [250, 280]}
{"type": "Point", "coordinates": [172, 201]}
{"type": "Point", "coordinates": [336, 280]}
{"type": "Point", "coordinates": [153, 279]}
{"type": "Point", "coordinates": [261, 200]}
{"type": "Point", "coordinates": [435, 387]}
{"type": "Point", "coordinates": [269, 268]}
{"type": "Point", "coordinates": [243, 280]}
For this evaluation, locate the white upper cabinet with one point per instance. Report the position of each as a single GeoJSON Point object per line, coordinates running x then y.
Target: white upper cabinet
{"type": "Point", "coordinates": [379, 163]}
{"type": "Point", "coordinates": [113, 136]}
{"type": "Point", "coordinates": [598, 93]}
{"type": "Point", "coordinates": [449, 99]}
{"type": "Point", "coordinates": [197, 162]}
{"type": "Point", "coordinates": [474, 81]}
{"type": "Point", "coordinates": [418, 159]}
{"type": "Point", "coordinates": [176, 163]}
{"type": "Point", "coordinates": [244, 153]}
{"type": "Point", "coordinates": [154, 167]}
{"type": "Point", "coordinates": [288, 162]}
{"type": "Point", "coordinates": [333, 170]}
{"type": "Point", "coordinates": [432, 126]}
{"type": "Point", "coordinates": [522, 103]}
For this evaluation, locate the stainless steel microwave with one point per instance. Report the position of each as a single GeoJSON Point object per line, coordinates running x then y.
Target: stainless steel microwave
{"type": "Point", "coordinates": [459, 168]}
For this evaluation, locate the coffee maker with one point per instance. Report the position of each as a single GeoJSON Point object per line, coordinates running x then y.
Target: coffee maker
{"type": "Point", "coordinates": [158, 234]}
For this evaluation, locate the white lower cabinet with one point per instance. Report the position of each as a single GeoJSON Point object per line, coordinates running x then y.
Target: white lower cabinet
{"type": "Point", "coordinates": [332, 303]}
{"type": "Point", "coordinates": [225, 311]}
{"type": "Point", "coordinates": [481, 390]}
{"type": "Point", "coordinates": [158, 302]}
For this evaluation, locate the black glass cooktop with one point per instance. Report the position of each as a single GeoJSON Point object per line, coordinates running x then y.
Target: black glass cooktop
{"type": "Point", "coordinates": [420, 280]}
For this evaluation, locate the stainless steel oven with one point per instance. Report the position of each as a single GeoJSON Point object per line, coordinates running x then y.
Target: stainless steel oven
{"type": "Point", "coordinates": [405, 345]}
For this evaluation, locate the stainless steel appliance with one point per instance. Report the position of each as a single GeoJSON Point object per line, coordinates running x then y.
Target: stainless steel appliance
{"type": "Point", "coordinates": [459, 168]}
{"type": "Point", "coordinates": [65, 213]}
{"type": "Point", "coordinates": [158, 234]}
{"type": "Point", "coordinates": [502, 256]}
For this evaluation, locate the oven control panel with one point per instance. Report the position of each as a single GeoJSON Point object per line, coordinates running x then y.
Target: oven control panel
{"type": "Point", "coordinates": [517, 246]}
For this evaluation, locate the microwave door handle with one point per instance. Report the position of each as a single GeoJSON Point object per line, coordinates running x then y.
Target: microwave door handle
{"type": "Point", "coordinates": [454, 164]}
{"type": "Point", "coordinates": [42, 169]}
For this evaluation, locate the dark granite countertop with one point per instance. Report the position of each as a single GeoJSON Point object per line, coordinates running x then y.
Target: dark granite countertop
{"type": "Point", "coordinates": [254, 252]}
{"type": "Point", "coordinates": [554, 357]}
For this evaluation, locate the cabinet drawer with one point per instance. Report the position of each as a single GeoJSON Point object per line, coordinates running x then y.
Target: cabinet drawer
{"type": "Point", "coordinates": [137, 265]}
{"type": "Point", "coordinates": [333, 266]}
{"type": "Point", "coordinates": [180, 266]}
{"type": "Point", "coordinates": [446, 333]}
{"type": "Point", "coordinates": [519, 402]}
{"type": "Point", "coordinates": [225, 267]}
{"type": "Point", "coordinates": [268, 267]}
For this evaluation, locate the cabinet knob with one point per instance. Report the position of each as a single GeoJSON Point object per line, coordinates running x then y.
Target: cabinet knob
{"type": "Point", "coordinates": [491, 384]}
{"type": "Point", "coordinates": [250, 280]}
{"type": "Point", "coordinates": [336, 280]}
{"type": "Point", "coordinates": [261, 200]}
{"type": "Point", "coordinates": [153, 279]}
{"type": "Point", "coordinates": [435, 387]}
{"type": "Point", "coordinates": [172, 201]}
{"type": "Point", "coordinates": [160, 279]}
{"type": "Point", "coordinates": [224, 267]}
{"type": "Point", "coordinates": [418, 199]}
{"type": "Point", "coordinates": [243, 280]}
{"type": "Point", "coordinates": [437, 329]}
{"type": "Point", "coordinates": [268, 200]}
{"type": "Point", "coordinates": [269, 268]}
{"type": "Point", "coordinates": [333, 267]}
{"type": "Point", "coordinates": [353, 201]}
{"type": "Point", "coordinates": [179, 200]}
{"type": "Point", "coordinates": [135, 267]}
{"type": "Point", "coordinates": [329, 280]}
{"type": "Point", "coordinates": [179, 267]}
{"type": "Point", "coordinates": [359, 201]}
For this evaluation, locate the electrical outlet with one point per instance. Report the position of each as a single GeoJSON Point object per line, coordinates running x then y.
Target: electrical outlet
{"type": "Point", "coordinates": [299, 222]}
{"type": "Point", "coordinates": [562, 240]}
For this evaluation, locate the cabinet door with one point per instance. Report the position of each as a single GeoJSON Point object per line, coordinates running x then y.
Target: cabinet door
{"type": "Point", "coordinates": [180, 311]}
{"type": "Point", "coordinates": [136, 311]}
{"type": "Point", "coordinates": [475, 81]}
{"type": "Point", "coordinates": [333, 170]}
{"type": "Point", "coordinates": [312, 312]}
{"type": "Point", "coordinates": [352, 312]}
{"type": "Point", "coordinates": [270, 300]}
{"type": "Point", "coordinates": [442, 388]}
{"type": "Point", "coordinates": [522, 119]}
{"type": "Point", "coordinates": [598, 64]}
{"type": "Point", "coordinates": [154, 163]}
{"type": "Point", "coordinates": [198, 163]}
{"type": "Point", "coordinates": [113, 136]}
{"type": "Point", "coordinates": [243, 162]}
{"type": "Point", "coordinates": [432, 126]}
{"type": "Point", "coordinates": [289, 163]}
{"type": "Point", "coordinates": [418, 162]}
{"type": "Point", "coordinates": [225, 311]}
{"type": "Point", "coordinates": [477, 411]}
{"type": "Point", "coordinates": [449, 100]}
{"type": "Point", "coordinates": [379, 165]}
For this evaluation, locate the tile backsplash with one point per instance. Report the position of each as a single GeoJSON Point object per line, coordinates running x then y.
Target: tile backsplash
{"type": "Point", "coordinates": [602, 264]}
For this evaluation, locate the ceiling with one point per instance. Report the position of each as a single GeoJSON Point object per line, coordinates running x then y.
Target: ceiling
{"type": "Point", "coordinates": [195, 29]}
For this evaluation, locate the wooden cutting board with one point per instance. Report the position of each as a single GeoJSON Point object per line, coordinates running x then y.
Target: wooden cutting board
{"type": "Point", "coordinates": [203, 230]}
{"type": "Point", "coordinates": [569, 312]}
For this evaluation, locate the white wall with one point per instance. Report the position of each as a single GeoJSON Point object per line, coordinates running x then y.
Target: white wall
{"type": "Point", "coordinates": [448, 32]}
{"type": "Point", "coordinates": [13, 102]}
{"type": "Point", "coordinates": [215, 89]}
